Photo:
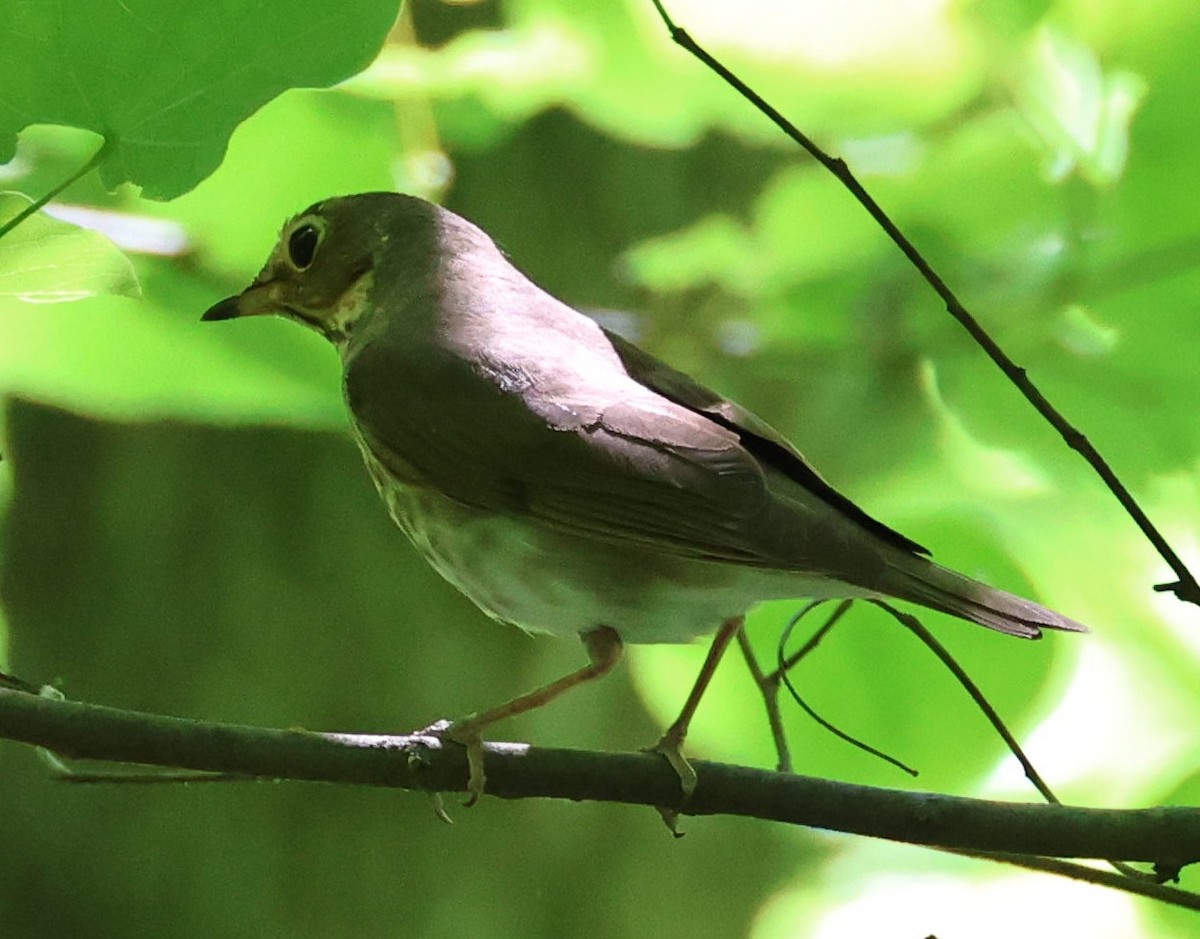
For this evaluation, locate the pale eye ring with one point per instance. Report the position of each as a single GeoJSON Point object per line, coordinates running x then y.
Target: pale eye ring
{"type": "Point", "coordinates": [302, 245]}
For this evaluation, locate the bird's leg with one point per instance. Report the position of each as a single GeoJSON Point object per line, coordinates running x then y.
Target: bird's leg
{"type": "Point", "coordinates": [603, 647]}
{"type": "Point", "coordinates": [670, 744]}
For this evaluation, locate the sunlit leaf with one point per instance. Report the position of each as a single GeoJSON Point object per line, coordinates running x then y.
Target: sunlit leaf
{"type": "Point", "coordinates": [43, 260]}
{"type": "Point", "coordinates": [1081, 113]}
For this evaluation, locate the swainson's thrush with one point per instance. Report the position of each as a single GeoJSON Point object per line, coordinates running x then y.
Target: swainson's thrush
{"type": "Point", "coordinates": [564, 480]}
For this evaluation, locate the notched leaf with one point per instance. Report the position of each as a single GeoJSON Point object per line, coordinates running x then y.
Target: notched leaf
{"type": "Point", "coordinates": [167, 82]}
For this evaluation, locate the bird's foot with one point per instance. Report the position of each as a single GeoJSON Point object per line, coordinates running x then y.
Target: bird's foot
{"type": "Point", "coordinates": [604, 651]}
{"type": "Point", "coordinates": [670, 745]}
{"type": "Point", "coordinates": [466, 733]}
{"type": "Point", "coordinates": [469, 736]}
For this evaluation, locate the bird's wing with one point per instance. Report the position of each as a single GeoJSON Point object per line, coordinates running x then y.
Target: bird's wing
{"type": "Point", "coordinates": [612, 460]}
{"type": "Point", "coordinates": [757, 436]}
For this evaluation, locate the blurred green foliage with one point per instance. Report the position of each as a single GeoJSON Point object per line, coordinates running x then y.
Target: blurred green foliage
{"type": "Point", "coordinates": [189, 530]}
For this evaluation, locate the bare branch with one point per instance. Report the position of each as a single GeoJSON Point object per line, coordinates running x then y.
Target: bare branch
{"type": "Point", "coordinates": [1169, 836]}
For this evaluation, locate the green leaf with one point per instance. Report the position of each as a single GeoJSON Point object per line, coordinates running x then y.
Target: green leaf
{"type": "Point", "coordinates": [714, 249]}
{"type": "Point", "coordinates": [165, 82]}
{"type": "Point", "coordinates": [44, 260]}
{"type": "Point", "coordinates": [1081, 114]}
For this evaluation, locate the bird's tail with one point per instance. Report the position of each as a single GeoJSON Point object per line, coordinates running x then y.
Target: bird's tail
{"type": "Point", "coordinates": [939, 588]}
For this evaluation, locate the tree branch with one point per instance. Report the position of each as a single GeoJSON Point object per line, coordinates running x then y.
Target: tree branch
{"type": "Point", "coordinates": [1169, 836]}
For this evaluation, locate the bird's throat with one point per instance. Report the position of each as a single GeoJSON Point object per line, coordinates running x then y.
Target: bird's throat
{"type": "Point", "coordinates": [342, 319]}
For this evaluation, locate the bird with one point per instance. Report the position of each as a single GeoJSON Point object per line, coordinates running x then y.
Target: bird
{"type": "Point", "coordinates": [563, 479]}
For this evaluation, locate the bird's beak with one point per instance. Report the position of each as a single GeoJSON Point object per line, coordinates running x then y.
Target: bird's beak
{"type": "Point", "coordinates": [255, 300]}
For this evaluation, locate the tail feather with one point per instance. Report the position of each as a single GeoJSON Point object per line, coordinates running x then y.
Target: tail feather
{"type": "Point", "coordinates": [942, 589]}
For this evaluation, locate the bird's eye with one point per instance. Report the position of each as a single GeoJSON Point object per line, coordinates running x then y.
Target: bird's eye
{"type": "Point", "coordinates": [302, 246]}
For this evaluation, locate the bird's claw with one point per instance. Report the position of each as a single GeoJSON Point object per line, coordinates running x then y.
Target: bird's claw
{"type": "Point", "coordinates": [463, 733]}
{"type": "Point", "coordinates": [670, 746]}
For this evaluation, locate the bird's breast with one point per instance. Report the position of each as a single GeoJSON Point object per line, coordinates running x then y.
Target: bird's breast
{"type": "Point", "coordinates": [546, 580]}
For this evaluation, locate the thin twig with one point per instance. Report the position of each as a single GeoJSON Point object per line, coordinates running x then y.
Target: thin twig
{"type": "Point", "coordinates": [785, 664]}
{"type": "Point", "coordinates": [1185, 587]}
{"type": "Point", "coordinates": [94, 161]}
{"type": "Point", "coordinates": [917, 628]}
{"type": "Point", "coordinates": [913, 625]}
{"type": "Point", "coordinates": [1136, 885]}
{"type": "Point", "coordinates": [768, 688]}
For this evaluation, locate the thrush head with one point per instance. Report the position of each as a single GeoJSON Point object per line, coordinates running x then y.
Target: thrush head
{"type": "Point", "coordinates": [325, 264]}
